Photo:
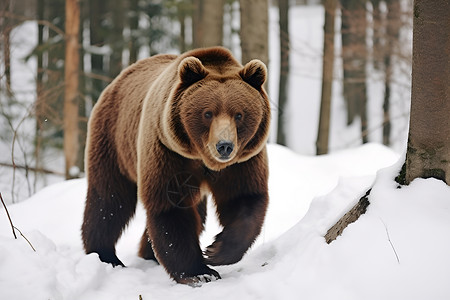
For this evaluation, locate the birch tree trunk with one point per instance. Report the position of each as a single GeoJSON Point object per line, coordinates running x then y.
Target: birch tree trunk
{"type": "Point", "coordinates": [71, 86]}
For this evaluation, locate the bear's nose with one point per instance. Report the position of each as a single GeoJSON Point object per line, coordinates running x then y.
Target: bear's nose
{"type": "Point", "coordinates": [224, 148]}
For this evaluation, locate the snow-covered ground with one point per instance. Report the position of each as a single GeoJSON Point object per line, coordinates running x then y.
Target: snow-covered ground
{"type": "Point", "coordinates": [397, 250]}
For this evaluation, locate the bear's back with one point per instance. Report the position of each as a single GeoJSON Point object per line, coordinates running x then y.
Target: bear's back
{"type": "Point", "coordinates": [119, 108]}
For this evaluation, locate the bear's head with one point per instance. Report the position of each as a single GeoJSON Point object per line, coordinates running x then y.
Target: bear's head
{"type": "Point", "coordinates": [221, 112]}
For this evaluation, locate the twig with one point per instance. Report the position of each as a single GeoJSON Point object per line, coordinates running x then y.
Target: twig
{"type": "Point", "coordinates": [15, 130]}
{"type": "Point", "coordinates": [7, 213]}
{"type": "Point", "coordinates": [50, 25]}
{"type": "Point", "coordinates": [29, 243]}
{"type": "Point", "coordinates": [390, 242]}
{"type": "Point", "coordinates": [33, 169]}
{"type": "Point", "coordinates": [14, 227]}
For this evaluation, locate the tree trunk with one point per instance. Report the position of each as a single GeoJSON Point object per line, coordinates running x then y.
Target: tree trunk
{"type": "Point", "coordinates": [213, 23]}
{"type": "Point", "coordinates": [392, 30]}
{"type": "Point", "coordinates": [39, 92]}
{"type": "Point", "coordinates": [71, 86]}
{"type": "Point", "coordinates": [6, 28]}
{"type": "Point", "coordinates": [97, 39]}
{"type": "Point", "coordinates": [181, 14]}
{"type": "Point", "coordinates": [378, 34]}
{"type": "Point", "coordinates": [208, 23]}
{"type": "Point", "coordinates": [134, 25]}
{"type": "Point", "coordinates": [197, 28]}
{"type": "Point", "coordinates": [115, 40]}
{"type": "Point", "coordinates": [327, 78]}
{"type": "Point", "coordinates": [83, 98]}
{"type": "Point", "coordinates": [284, 69]}
{"type": "Point", "coordinates": [254, 30]}
{"type": "Point", "coordinates": [354, 56]}
{"type": "Point", "coordinates": [428, 153]}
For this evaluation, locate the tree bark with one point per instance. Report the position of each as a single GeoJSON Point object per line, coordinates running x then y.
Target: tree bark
{"type": "Point", "coordinates": [115, 40]}
{"type": "Point", "coordinates": [327, 78]}
{"type": "Point", "coordinates": [254, 30]}
{"type": "Point", "coordinates": [208, 23]}
{"type": "Point", "coordinates": [428, 153]}
{"type": "Point", "coordinates": [134, 25]}
{"type": "Point", "coordinates": [378, 34]}
{"type": "Point", "coordinates": [71, 85]}
{"type": "Point", "coordinates": [284, 69]}
{"type": "Point", "coordinates": [6, 26]}
{"type": "Point", "coordinates": [392, 29]}
{"type": "Point", "coordinates": [38, 107]}
{"type": "Point", "coordinates": [97, 39]}
{"type": "Point", "coordinates": [354, 56]}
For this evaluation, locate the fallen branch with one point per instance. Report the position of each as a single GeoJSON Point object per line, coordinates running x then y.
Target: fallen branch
{"type": "Point", "coordinates": [350, 217]}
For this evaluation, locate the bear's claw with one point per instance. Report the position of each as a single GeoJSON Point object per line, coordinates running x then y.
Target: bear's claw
{"type": "Point", "coordinates": [199, 280]}
{"type": "Point", "coordinates": [217, 254]}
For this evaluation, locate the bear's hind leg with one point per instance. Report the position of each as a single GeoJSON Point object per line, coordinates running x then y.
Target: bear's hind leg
{"type": "Point", "coordinates": [110, 203]}
{"type": "Point", "coordinates": [145, 249]}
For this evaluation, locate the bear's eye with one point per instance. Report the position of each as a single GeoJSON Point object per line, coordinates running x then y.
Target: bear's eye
{"type": "Point", "coordinates": [238, 116]}
{"type": "Point", "coordinates": [208, 115]}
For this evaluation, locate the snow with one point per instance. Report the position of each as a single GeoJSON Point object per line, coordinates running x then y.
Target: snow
{"type": "Point", "coordinates": [291, 258]}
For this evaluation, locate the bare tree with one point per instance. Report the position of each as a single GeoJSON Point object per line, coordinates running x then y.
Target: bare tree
{"type": "Point", "coordinates": [283, 6]}
{"type": "Point", "coordinates": [327, 78]}
{"type": "Point", "coordinates": [72, 59]}
{"type": "Point", "coordinates": [254, 30]}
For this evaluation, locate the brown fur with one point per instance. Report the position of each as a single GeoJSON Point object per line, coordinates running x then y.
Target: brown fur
{"type": "Point", "coordinates": [155, 134]}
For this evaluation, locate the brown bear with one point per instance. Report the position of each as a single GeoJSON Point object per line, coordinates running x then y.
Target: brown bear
{"type": "Point", "coordinates": [169, 130]}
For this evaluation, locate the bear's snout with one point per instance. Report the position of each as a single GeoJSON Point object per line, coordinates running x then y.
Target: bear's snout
{"type": "Point", "coordinates": [224, 148]}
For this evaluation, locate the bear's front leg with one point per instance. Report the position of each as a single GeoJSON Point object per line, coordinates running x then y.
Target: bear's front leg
{"type": "Point", "coordinates": [242, 218]}
{"type": "Point", "coordinates": [174, 238]}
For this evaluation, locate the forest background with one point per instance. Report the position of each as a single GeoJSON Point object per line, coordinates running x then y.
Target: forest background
{"type": "Point", "coordinates": [75, 48]}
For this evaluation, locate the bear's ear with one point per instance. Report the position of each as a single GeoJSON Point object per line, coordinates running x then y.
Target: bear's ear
{"type": "Point", "coordinates": [254, 73]}
{"type": "Point", "coordinates": [191, 70]}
